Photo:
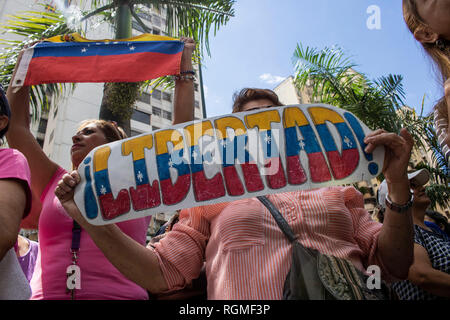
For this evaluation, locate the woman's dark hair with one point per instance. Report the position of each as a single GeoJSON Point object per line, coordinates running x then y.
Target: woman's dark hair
{"type": "Point", "coordinates": [249, 94]}
{"type": "Point", "coordinates": [110, 129]}
{"type": "Point", "coordinates": [440, 220]}
{"type": "Point", "coordinates": [4, 110]}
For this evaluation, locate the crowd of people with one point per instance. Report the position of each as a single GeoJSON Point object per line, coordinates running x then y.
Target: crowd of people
{"type": "Point", "coordinates": [237, 245]}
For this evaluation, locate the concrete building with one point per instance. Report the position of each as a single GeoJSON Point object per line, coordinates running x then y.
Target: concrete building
{"type": "Point", "coordinates": [153, 110]}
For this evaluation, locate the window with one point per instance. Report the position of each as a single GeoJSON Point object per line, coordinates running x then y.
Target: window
{"type": "Point", "coordinates": [157, 21]}
{"type": "Point", "coordinates": [135, 133]}
{"type": "Point", "coordinates": [156, 111]}
{"type": "Point", "coordinates": [167, 115]}
{"type": "Point", "coordinates": [156, 31]}
{"type": "Point", "coordinates": [42, 125]}
{"type": "Point", "coordinates": [167, 96]}
{"type": "Point", "coordinates": [145, 97]}
{"type": "Point", "coordinates": [137, 26]}
{"type": "Point", "coordinates": [156, 94]}
{"type": "Point", "coordinates": [196, 86]}
{"type": "Point", "coordinates": [141, 116]}
{"type": "Point", "coordinates": [40, 141]}
{"type": "Point", "coordinates": [145, 16]}
{"type": "Point", "coordinates": [197, 104]}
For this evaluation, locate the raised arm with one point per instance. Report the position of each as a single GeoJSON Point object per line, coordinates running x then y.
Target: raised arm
{"type": "Point", "coordinates": [183, 107]}
{"type": "Point", "coordinates": [396, 239]}
{"type": "Point", "coordinates": [20, 137]}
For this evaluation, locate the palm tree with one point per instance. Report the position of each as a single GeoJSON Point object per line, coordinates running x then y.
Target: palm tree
{"type": "Point", "coordinates": [32, 26]}
{"type": "Point", "coordinates": [192, 18]}
{"type": "Point", "coordinates": [329, 74]}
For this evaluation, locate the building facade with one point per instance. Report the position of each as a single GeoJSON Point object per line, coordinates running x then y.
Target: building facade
{"type": "Point", "coordinates": [153, 109]}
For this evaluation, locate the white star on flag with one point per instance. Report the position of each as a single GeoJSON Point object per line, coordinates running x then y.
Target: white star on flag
{"type": "Point", "coordinates": [132, 48]}
{"type": "Point", "coordinates": [103, 190]}
{"type": "Point", "coordinates": [170, 163]}
{"type": "Point", "coordinates": [302, 144]}
{"type": "Point", "coordinates": [347, 141]}
{"type": "Point", "coordinates": [83, 50]}
{"type": "Point", "coordinates": [267, 139]}
{"type": "Point", "coordinates": [140, 176]}
{"type": "Point", "coordinates": [194, 155]}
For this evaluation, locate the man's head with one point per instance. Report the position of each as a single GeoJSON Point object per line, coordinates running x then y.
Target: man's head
{"type": "Point", "coordinates": [417, 180]}
{"type": "Point", "coordinates": [253, 98]}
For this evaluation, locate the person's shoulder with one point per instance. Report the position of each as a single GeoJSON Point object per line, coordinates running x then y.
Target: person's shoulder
{"type": "Point", "coordinates": [9, 154]}
{"type": "Point", "coordinates": [13, 164]}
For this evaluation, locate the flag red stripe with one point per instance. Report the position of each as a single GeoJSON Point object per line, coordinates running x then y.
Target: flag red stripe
{"type": "Point", "coordinates": [115, 68]}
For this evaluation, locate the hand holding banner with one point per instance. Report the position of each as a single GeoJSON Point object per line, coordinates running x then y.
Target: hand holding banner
{"type": "Point", "coordinates": [225, 158]}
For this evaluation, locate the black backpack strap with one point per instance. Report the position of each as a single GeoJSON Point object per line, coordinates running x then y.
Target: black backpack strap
{"type": "Point", "coordinates": [282, 223]}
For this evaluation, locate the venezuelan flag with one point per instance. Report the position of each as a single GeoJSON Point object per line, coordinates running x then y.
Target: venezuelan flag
{"type": "Point", "coordinates": [72, 58]}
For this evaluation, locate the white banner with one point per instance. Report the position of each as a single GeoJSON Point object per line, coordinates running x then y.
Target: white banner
{"type": "Point", "coordinates": [226, 158]}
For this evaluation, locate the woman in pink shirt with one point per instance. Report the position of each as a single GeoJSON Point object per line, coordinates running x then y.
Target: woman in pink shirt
{"type": "Point", "coordinates": [245, 253]}
{"type": "Point", "coordinates": [96, 277]}
{"type": "Point", "coordinates": [15, 204]}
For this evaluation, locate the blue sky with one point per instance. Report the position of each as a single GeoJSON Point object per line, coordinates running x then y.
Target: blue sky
{"type": "Point", "coordinates": [261, 39]}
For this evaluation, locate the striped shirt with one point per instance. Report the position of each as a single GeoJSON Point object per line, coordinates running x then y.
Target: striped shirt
{"type": "Point", "coordinates": [246, 254]}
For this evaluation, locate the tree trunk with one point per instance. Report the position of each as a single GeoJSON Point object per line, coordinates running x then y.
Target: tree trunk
{"type": "Point", "coordinates": [118, 98]}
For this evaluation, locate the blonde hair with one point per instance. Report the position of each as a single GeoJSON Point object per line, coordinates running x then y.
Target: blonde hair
{"type": "Point", "coordinates": [440, 56]}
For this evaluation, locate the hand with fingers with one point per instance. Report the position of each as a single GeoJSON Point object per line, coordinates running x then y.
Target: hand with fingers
{"type": "Point", "coordinates": [397, 154]}
{"type": "Point", "coordinates": [65, 191]}
{"type": "Point", "coordinates": [186, 57]}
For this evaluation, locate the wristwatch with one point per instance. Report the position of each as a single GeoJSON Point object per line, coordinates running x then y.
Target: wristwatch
{"type": "Point", "coordinates": [397, 207]}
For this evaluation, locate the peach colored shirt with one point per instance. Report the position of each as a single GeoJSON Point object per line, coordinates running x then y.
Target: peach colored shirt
{"type": "Point", "coordinates": [248, 257]}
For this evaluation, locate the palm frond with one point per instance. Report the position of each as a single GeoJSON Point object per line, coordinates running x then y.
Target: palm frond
{"type": "Point", "coordinates": [32, 26]}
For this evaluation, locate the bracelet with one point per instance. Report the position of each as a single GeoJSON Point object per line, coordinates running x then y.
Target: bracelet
{"type": "Point", "coordinates": [184, 77]}
{"type": "Point", "coordinates": [397, 207]}
{"type": "Point", "coordinates": [188, 72]}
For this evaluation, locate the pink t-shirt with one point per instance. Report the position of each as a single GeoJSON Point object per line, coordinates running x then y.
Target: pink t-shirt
{"type": "Point", "coordinates": [99, 278]}
{"type": "Point", "coordinates": [13, 165]}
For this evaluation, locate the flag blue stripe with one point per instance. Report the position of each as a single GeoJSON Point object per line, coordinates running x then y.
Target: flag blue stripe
{"type": "Point", "coordinates": [84, 49]}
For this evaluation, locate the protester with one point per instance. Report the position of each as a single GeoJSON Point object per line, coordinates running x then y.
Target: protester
{"type": "Point", "coordinates": [246, 255]}
{"type": "Point", "coordinates": [429, 22]}
{"type": "Point", "coordinates": [429, 275]}
{"type": "Point", "coordinates": [15, 204]}
{"type": "Point", "coordinates": [99, 278]}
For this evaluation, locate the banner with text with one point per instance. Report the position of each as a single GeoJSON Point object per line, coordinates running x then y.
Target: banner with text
{"type": "Point", "coordinates": [225, 158]}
